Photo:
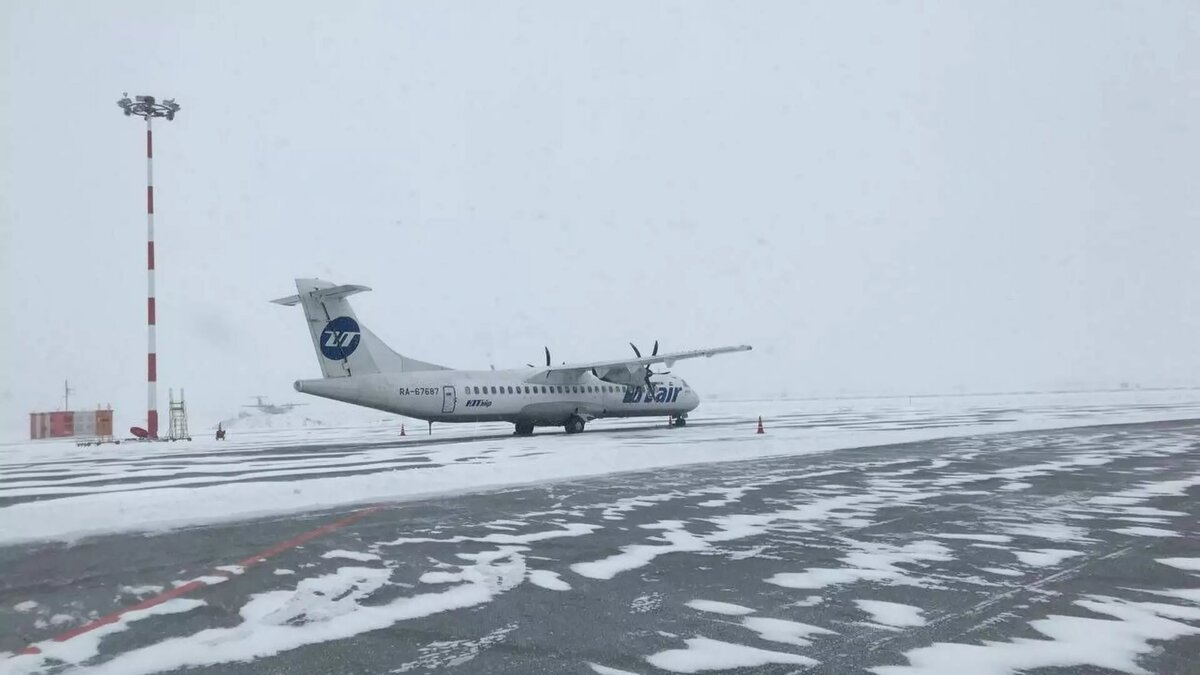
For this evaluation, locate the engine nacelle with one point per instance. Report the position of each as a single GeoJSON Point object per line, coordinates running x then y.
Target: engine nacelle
{"type": "Point", "coordinates": [624, 376]}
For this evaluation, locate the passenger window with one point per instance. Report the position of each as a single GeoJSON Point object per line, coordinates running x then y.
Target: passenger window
{"type": "Point", "coordinates": [467, 390]}
{"type": "Point", "coordinates": [560, 389]}
{"type": "Point", "coordinates": [493, 390]}
{"type": "Point", "coordinates": [510, 390]}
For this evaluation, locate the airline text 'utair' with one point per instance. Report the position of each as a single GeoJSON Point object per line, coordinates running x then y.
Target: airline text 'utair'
{"type": "Point", "coordinates": [359, 368]}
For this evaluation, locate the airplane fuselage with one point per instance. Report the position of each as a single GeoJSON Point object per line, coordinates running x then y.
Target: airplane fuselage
{"type": "Point", "coordinates": [504, 396]}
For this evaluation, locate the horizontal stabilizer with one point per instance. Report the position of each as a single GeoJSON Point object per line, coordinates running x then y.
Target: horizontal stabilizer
{"type": "Point", "coordinates": [338, 291]}
{"type": "Point", "coordinates": [288, 301]}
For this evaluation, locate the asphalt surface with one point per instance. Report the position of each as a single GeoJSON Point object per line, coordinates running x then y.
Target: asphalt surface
{"type": "Point", "coordinates": [983, 534]}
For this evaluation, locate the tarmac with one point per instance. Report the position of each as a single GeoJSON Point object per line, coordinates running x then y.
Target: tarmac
{"type": "Point", "coordinates": [983, 541]}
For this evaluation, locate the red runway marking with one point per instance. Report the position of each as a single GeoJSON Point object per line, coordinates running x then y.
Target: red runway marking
{"type": "Point", "coordinates": [193, 585]}
{"type": "Point", "coordinates": [306, 537]}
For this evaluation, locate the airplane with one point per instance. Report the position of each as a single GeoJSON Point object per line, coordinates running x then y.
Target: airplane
{"type": "Point", "coordinates": [271, 408]}
{"type": "Point", "coordinates": [358, 368]}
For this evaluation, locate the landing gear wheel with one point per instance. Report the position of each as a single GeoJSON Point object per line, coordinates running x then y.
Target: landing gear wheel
{"type": "Point", "coordinates": [524, 429]}
{"type": "Point", "coordinates": [681, 421]}
{"type": "Point", "coordinates": [574, 425]}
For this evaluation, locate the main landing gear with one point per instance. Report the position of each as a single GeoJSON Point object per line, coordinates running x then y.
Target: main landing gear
{"type": "Point", "coordinates": [524, 429]}
{"type": "Point", "coordinates": [681, 421]}
{"type": "Point", "coordinates": [574, 424]}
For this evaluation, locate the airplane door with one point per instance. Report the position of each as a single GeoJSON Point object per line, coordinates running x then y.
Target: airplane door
{"type": "Point", "coordinates": [448, 399]}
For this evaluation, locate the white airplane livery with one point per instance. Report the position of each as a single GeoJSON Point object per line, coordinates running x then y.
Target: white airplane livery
{"type": "Point", "coordinates": [359, 368]}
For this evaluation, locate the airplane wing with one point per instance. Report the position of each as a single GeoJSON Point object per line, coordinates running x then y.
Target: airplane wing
{"type": "Point", "coordinates": [626, 369]}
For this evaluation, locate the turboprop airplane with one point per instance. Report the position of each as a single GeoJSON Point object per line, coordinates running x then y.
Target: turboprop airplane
{"type": "Point", "coordinates": [359, 368]}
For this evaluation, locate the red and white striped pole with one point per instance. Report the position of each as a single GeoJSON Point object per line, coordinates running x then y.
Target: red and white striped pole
{"type": "Point", "coordinates": [151, 347]}
{"type": "Point", "coordinates": [149, 108]}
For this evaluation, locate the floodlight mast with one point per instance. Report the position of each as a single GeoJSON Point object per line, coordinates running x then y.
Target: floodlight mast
{"type": "Point", "coordinates": [149, 108]}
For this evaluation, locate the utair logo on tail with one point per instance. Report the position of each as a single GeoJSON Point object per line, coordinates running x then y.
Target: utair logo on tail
{"type": "Point", "coordinates": [340, 338]}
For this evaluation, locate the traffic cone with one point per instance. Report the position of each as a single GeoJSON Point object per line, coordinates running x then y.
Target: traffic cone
{"type": "Point", "coordinates": [760, 426]}
{"type": "Point", "coordinates": [402, 430]}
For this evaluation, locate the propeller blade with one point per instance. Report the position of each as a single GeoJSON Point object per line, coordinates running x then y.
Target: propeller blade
{"type": "Point", "coordinates": [636, 350]}
{"type": "Point", "coordinates": [655, 352]}
{"type": "Point", "coordinates": [547, 355]}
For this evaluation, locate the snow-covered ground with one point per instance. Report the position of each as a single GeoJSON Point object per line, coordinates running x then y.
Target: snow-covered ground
{"type": "Point", "coordinates": [905, 560]}
{"type": "Point", "coordinates": [57, 491]}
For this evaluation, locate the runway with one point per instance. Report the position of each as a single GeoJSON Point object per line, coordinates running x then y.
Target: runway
{"type": "Point", "coordinates": [1075, 550]}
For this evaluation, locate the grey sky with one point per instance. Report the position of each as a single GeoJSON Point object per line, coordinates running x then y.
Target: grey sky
{"type": "Point", "coordinates": [880, 197]}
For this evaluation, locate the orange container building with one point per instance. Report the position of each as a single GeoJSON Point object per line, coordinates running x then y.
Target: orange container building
{"type": "Point", "coordinates": [71, 424]}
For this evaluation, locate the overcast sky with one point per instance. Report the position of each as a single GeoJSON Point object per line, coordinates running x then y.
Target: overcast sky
{"type": "Point", "coordinates": [882, 198]}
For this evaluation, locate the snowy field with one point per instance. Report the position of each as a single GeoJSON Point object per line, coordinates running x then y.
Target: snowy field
{"type": "Point", "coordinates": [1076, 550]}
{"type": "Point", "coordinates": [57, 491]}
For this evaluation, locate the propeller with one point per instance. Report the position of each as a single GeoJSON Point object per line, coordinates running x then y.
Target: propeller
{"type": "Point", "coordinates": [654, 352]}
{"type": "Point", "coordinates": [547, 358]}
{"type": "Point", "coordinates": [639, 352]}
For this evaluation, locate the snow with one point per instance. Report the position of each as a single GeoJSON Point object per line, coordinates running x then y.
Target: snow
{"type": "Point", "coordinates": [283, 572]}
{"type": "Point", "coordinates": [819, 577]}
{"type": "Point", "coordinates": [26, 606]}
{"type": "Point", "coordinates": [1045, 557]}
{"type": "Point", "coordinates": [450, 653]}
{"type": "Point", "coordinates": [1017, 486]}
{"type": "Point", "coordinates": [707, 654]}
{"type": "Point", "coordinates": [349, 555]}
{"type": "Point", "coordinates": [892, 613]}
{"type": "Point", "coordinates": [871, 562]}
{"type": "Point", "coordinates": [1190, 564]}
{"type": "Point", "coordinates": [321, 609]}
{"type": "Point", "coordinates": [992, 538]}
{"type": "Point", "coordinates": [548, 580]}
{"type": "Point", "coordinates": [62, 505]}
{"type": "Point", "coordinates": [639, 555]}
{"type": "Point", "coordinates": [717, 607]}
{"type": "Point", "coordinates": [1003, 571]}
{"type": "Point", "coordinates": [1189, 594]}
{"type": "Point", "coordinates": [567, 530]}
{"type": "Point", "coordinates": [1112, 643]}
{"type": "Point", "coordinates": [781, 630]}
{"type": "Point", "coordinates": [207, 580]}
{"type": "Point", "coordinates": [1058, 532]}
{"type": "Point", "coordinates": [605, 670]}
{"type": "Point", "coordinates": [87, 645]}
{"type": "Point", "coordinates": [1144, 531]}
{"type": "Point", "coordinates": [141, 590]}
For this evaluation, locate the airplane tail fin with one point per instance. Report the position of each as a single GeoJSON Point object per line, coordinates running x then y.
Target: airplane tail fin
{"type": "Point", "coordinates": [344, 346]}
